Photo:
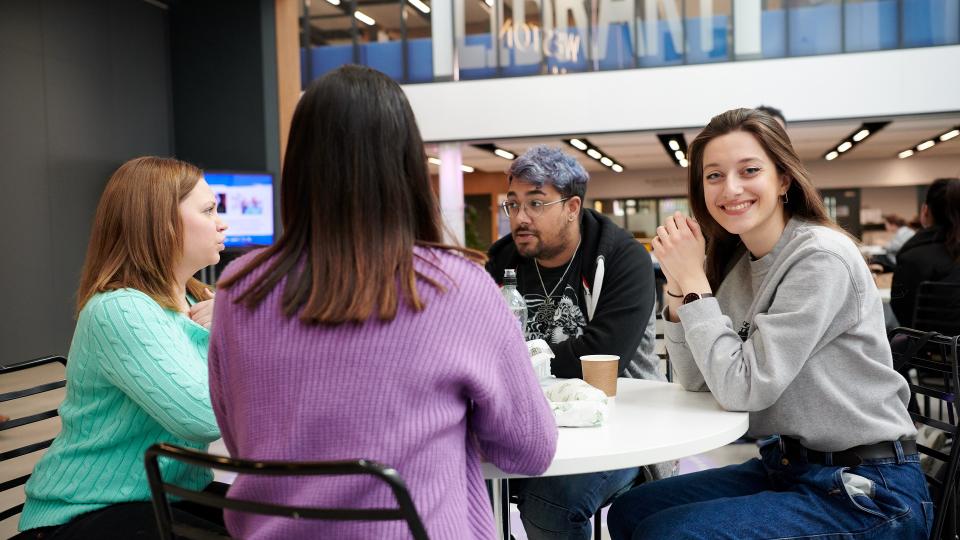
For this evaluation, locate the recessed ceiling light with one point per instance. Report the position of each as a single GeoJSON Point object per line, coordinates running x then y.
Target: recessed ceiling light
{"type": "Point", "coordinates": [503, 153]}
{"type": "Point", "coordinates": [420, 5]}
{"type": "Point", "coordinates": [675, 145]}
{"type": "Point", "coordinates": [434, 161]}
{"type": "Point", "coordinates": [489, 3]}
{"type": "Point", "coordinates": [905, 154]}
{"type": "Point", "coordinates": [364, 18]}
{"type": "Point", "coordinates": [926, 144]}
{"type": "Point", "coordinates": [949, 135]}
{"type": "Point", "coordinates": [859, 136]}
{"type": "Point", "coordinates": [334, 2]}
{"type": "Point", "coordinates": [684, 163]}
{"type": "Point", "coordinates": [617, 168]}
{"type": "Point", "coordinates": [466, 168]}
{"type": "Point", "coordinates": [592, 152]}
{"type": "Point", "coordinates": [606, 161]}
{"type": "Point", "coordinates": [578, 144]}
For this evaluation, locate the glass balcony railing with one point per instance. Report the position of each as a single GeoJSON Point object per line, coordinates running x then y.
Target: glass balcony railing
{"type": "Point", "coordinates": [508, 38]}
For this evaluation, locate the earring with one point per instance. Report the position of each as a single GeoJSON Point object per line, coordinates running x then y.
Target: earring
{"type": "Point", "coordinates": [571, 218]}
{"type": "Point", "coordinates": [786, 198]}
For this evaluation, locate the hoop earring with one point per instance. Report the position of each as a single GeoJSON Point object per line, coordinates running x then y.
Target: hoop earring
{"type": "Point", "coordinates": [786, 198]}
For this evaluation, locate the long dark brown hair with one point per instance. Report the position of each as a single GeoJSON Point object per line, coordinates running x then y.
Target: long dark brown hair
{"type": "Point", "coordinates": [803, 200]}
{"type": "Point", "coordinates": [355, 197]}
{"type": "Point", "coordinates": [943, 203]}
{"type": "Point", "coordinates": [137, 233]}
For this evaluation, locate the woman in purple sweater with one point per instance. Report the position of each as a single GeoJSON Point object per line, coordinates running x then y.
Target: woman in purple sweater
{"type": "Point", "coordinates": [360, 335]}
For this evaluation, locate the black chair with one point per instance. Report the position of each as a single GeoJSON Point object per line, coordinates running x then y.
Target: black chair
{"type": "Point", "coordinates": [405, 511]}
{"type": "Point", "coordinates": [937, 307]}
{"type": "Point", "coordinates": [21, 405]}
{"type": "Point", "coordinates": [929, 362]}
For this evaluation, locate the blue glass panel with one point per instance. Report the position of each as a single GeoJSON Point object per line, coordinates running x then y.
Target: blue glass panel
{"type": "Point", "coordinates": [773, 33]}
{"type": "Point", "coordinates": [695, 52]}
{"type": "Point", "coordinates": [619, 53]}
{"type": "Point", "coordinates": [931, 22]}
{"type": "Point", "coordinates": [567, 40]}
{"type": "Point", "coordinates": [385, 56]}
{"type": "Point", "coordinates": [420, 57]}
{"type": "Point", "coordinates": [330, 57]}
{"type": "Point", "coordinates": [667, 54]}
{"type": "Point", "coordinates": [487, 72]}
{"type": "Point", "coordinates": [870, 25]}
{"type": "Point", "coordinates": [814, 29]}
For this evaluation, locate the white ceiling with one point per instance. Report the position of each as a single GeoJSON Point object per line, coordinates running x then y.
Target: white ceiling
{"type": "Point", "coordinates": [642, 150]}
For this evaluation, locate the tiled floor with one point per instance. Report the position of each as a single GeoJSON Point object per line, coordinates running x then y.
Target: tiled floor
{"type": "Point", "coordinates": [725, 455]}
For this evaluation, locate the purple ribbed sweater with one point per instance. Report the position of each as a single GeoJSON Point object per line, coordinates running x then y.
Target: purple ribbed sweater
{"type": "Point", "coordinates": [397, 392]}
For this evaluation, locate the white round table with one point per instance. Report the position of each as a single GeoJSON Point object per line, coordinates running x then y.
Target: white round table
{"type": "Point", "coordinates": [649, 422]}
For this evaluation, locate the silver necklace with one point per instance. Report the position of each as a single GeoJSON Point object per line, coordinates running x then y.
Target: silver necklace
{"type": "Point", "coordinates": [546, 310]}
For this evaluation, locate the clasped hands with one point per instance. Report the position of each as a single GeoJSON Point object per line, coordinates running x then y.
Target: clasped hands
{"type": "Point", "coordinates": [681, 250]}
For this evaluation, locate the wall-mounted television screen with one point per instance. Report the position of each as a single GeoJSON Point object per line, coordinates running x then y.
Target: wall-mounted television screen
{"type": "Point", "coordinates": [245, 202]}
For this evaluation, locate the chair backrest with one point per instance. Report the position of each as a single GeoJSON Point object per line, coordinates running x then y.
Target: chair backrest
{"type": "Point", "coordinates": [937, 307]}
{"type": "Point", "coordinates": [405, 510]}
{"type": "Point", "coordinates": [929, 362]}
{"type": "Point", "coordinates": [30, 393]}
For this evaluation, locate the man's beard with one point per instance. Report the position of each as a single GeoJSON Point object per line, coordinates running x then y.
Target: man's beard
{"type": "Point", "coordinates": [544, 251]}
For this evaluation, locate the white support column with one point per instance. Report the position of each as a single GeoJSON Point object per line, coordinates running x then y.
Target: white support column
{"type": "Point", "coordinates": [451, 192]}
{"type": "Point", "coordinates": [747, 38]}
{"type": "Point", "coordinates": [441, 32]}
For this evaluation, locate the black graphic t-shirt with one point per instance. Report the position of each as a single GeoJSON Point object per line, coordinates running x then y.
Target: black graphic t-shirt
{"type": "Point", "coordinates": [563, 317]}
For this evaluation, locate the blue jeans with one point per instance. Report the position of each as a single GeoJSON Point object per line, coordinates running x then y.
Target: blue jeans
{"type": "Point", "coordinates": [767, 498]}
{"type": "Point", "coordinates": [561, 507]}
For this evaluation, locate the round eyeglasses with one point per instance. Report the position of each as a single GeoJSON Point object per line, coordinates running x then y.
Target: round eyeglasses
{"type": "Point", "coordinates": [534, 208]}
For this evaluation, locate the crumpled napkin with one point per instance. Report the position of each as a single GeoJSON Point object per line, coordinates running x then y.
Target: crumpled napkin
{"type": "Point", "coordinates": [577, 404]}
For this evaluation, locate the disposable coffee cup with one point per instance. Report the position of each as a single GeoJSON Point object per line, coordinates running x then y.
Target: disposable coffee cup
{"type": "Point", "coordinates": [600, 371]}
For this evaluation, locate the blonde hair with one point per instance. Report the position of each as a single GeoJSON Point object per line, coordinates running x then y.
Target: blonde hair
{"type": "Point", "coordinates": [137, 234]}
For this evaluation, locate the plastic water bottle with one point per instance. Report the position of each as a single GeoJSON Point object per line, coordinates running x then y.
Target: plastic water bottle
{"type": "Point", "coordinates": [513, 298]}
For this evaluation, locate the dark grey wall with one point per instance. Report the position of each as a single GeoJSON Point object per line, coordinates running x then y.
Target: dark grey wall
{"type": "Point", "coordinates": [84, 86]}
{"type": "Point", "coordinates": [225, 83]}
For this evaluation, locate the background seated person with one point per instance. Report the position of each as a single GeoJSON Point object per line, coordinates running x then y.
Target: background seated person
{"type": "Point", "coordinates": [933, 254]}
{"type": "Point", "coordinates": [137, 367]}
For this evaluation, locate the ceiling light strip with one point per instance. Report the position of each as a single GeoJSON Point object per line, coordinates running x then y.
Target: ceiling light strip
{"type": "Point", "coordinates": [930, 143]}
{"type": "Point", "coordinates": [862, 133]}
{"type": "Point", "coordinates": [594, 152]}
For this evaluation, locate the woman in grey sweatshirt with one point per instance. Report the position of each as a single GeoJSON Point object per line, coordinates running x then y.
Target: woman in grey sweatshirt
{"type": "Point", "coordinates": [795, 336]}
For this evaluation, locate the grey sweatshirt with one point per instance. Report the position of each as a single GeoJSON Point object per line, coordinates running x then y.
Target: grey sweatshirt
{"type": "Point", "coordinates": [815, 364]}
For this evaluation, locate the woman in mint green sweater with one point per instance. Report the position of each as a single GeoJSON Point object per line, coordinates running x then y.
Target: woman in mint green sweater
{"type": "Point", "coordinates": [137, 367]}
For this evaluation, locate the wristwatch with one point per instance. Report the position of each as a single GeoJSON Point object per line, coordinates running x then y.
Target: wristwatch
{"type": "Point", "coordinates": [693, 297]}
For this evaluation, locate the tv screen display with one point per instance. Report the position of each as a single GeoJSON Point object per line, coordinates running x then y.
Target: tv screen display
{"type": "Point", "coordinates": [245, 202]}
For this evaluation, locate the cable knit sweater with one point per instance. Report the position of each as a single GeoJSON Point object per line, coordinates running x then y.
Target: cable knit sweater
{"type": "Point", "coordinates": [427, 393]}
{"type": "Point", "coordinates": [136, 375]}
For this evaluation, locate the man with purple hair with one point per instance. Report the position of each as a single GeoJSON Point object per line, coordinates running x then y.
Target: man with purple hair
{"type": "Point", "coordinates": [589, 289]}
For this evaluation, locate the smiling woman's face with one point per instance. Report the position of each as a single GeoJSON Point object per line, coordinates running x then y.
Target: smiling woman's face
{"type": "Point", "coordinates": [741, 186]}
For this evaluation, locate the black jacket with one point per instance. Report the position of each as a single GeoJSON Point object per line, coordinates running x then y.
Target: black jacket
{"type": "Point", "coordinates": [923, 258]}
{"type": "Point", "coordinates": [626, 292]}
